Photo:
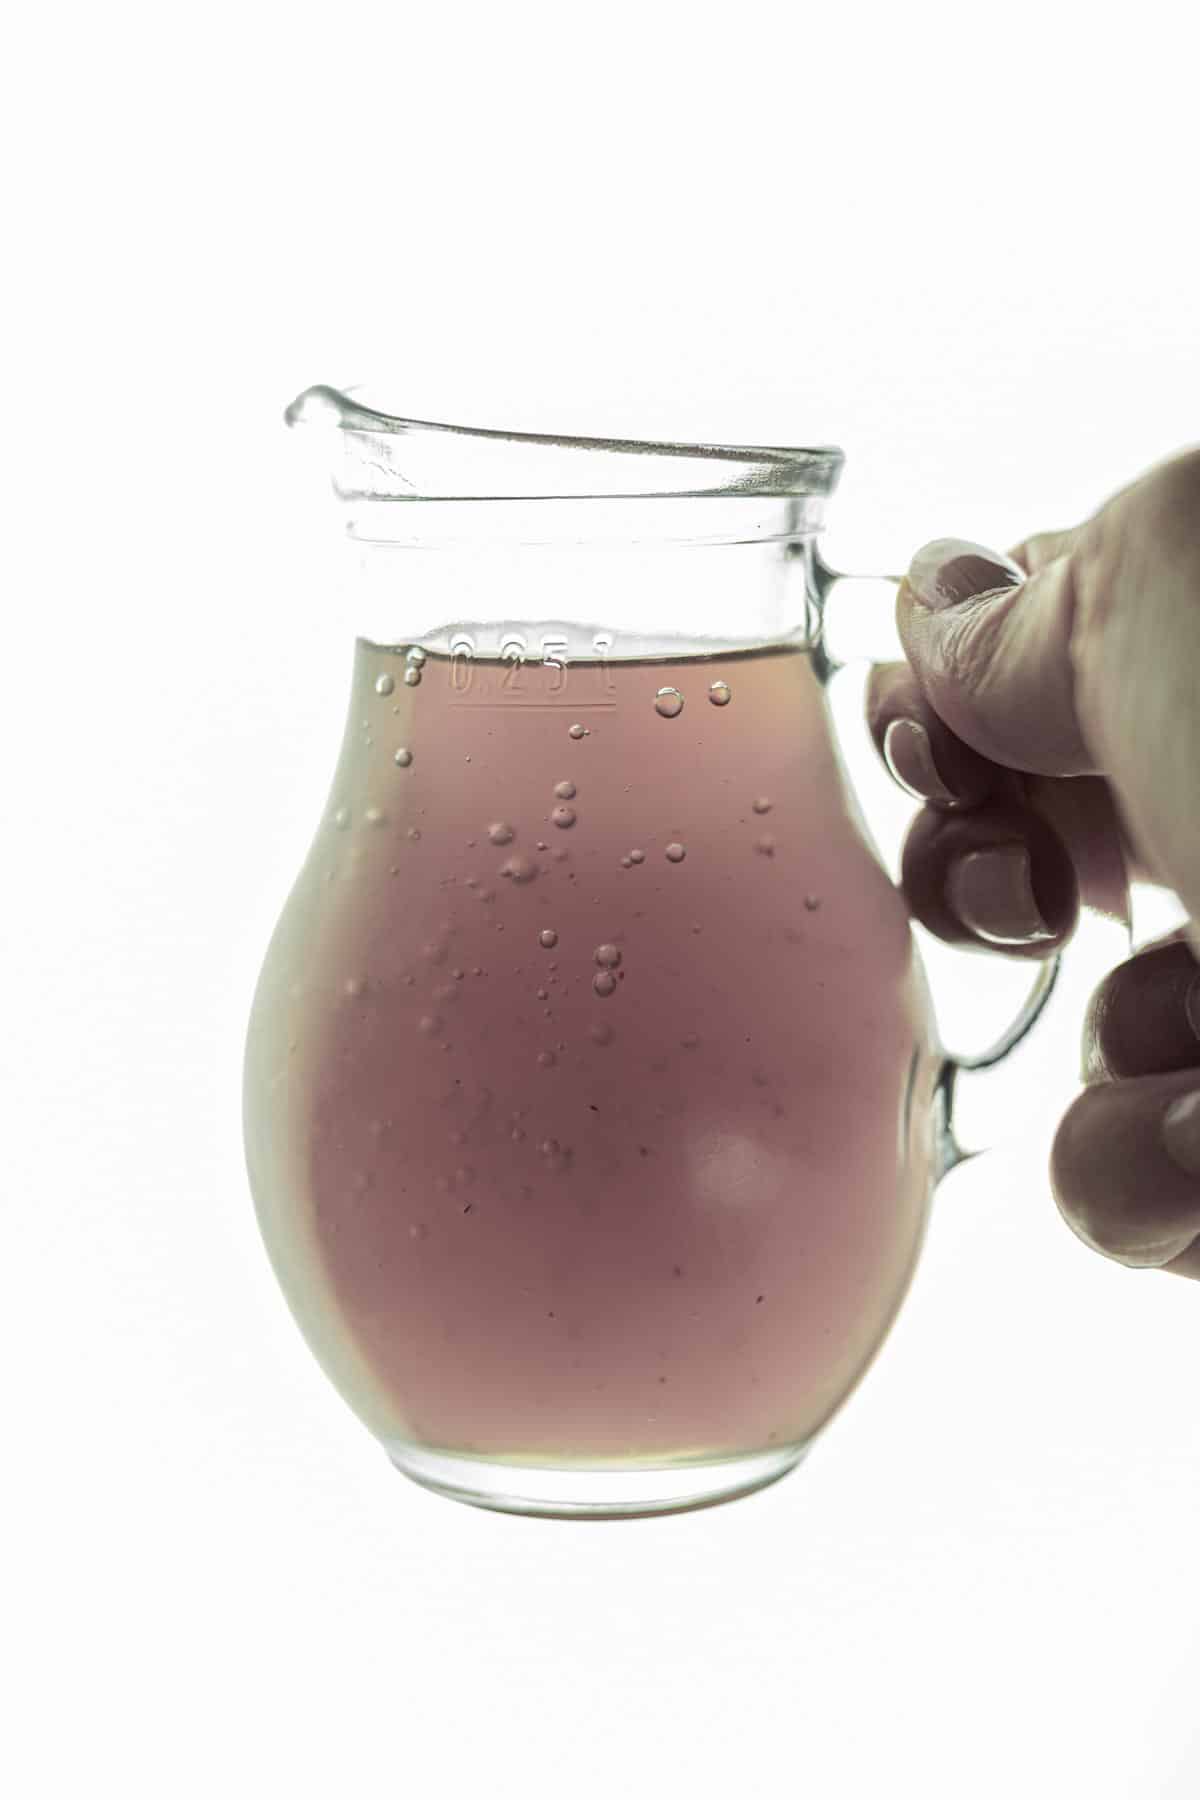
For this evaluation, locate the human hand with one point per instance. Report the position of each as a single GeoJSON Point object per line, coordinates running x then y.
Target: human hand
{"type": "Point", "coordinates": [1049, 717]}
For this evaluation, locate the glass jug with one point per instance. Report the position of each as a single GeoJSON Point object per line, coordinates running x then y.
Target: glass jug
{"type": "Point", "coordinates": [593, 1102]}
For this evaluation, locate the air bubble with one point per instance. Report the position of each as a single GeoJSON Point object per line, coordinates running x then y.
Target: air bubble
{"type": "Point", "coordinates": [341, 817]}
{"type": "Point", "coordinates": [762, 804]}
{"type": "Point", "coordinates": [720, 693]}
{"type": "Point", "coordinates": [557, 1158]}
{"type": "Point", "coordinates": [607, 956]}
{"type": "Point", "coordinates": [429, 1025]}
{"type": "Point", "coordinates": [519, 869]}
{"type": "Point", "coordinates": [403, 758]}
{"type": "Point", "coordinates": [604, 984]}
{"type": "Point", "coordinates": [546, 1059]}
{"type": "Point", "coordinates": [675, 853]}
{"type": "Point", "coordinates": [563, 817]}
{"type": "Point", "coordinates": [564, 790]}
{"type": "Point", "coordinates": [412, 676]}
{"type": "Point", "coordinates": [601, 1032]}
{"type": "Point", "coordinates": [355, 986]}
{"type": "Point", "coordinates": [501, 832]}
{"type": "Point", "coordinates": [416, 657]}
{"type": "Point", "coordinates": [374, 815]}
{"type": "Point", "coordinates": [627, 862]}
{"type": "Point", "coordinates": [413, 833]}
{"type": "Point", "coordinates": [668, 703]}
{"type": "Point", "coordinates": [548, 938]}
{"type": "Point", "coordinates": [811, 902]}
{"type": "Point", "coordinates": [418, 1231]}
{"type": "Point", "coordinates": [384, 684]}
{"type": "Point", "coordinates": [765, 846]}
{"type": "Point", "coordinates": [577, 732]}
{"type": "Point", "coordinates": [637, 856]}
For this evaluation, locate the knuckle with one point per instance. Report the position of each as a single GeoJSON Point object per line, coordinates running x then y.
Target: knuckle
{"type": "Point", "coordinates": [1175, 492]}
{"type": "Point", "coordinates": [1138, 558]}
{"type": "Point", "coordinates": [1033, 553]}
{"type": "Point", "coordinates": [1151, 523]}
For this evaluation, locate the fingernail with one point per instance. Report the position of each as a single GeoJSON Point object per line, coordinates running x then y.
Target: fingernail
{"type": "Point", "coordinates": [1191, 1005]}
{"type": "Point", "coordinates": [950, 570]}
{"type": "Point", "coordinates": [991, 891]}
{"type": "Point", "coordinates": [1181, 1132]}
{"type": "Point", "coordinates": [909, 755]}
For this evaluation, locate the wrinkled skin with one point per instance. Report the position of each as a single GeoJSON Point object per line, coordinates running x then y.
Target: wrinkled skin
{"type": "Point", "coordinates": [1050, 710]}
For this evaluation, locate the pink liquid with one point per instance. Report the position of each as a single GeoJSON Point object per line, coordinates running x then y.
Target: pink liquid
{"type": "Point", "coordinates": [566, 1146]}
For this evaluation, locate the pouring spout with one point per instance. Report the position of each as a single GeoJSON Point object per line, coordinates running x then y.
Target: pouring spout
{"type": "Point", "coordinates": [334, 409]}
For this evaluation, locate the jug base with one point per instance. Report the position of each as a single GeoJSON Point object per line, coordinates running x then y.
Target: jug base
{"type": "Point", "coordinates": [583, 1492]}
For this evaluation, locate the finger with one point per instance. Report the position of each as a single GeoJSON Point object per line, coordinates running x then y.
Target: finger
{"type": "Point", "coordinates": [1188, 1264]}
{"type": "Point", "coordinates": [995, 878]}
{"type": "Point", "coordinates": [923, 754]}
{"type": "Point", "coordinates": [929, 762]}
{"type": "Point", "coordinates": [1033, 553]}
{"type": "Point", "coordinates": [1126, 1170]}
{"type": "Point", "coordinates": [1177, 935]}
{"type": "Point", "coordinates": [1081, 812]}
{"type": "Point", "coordinates": [991, 648]}
{"type": "Point", "coordinates": [1144, 1018]}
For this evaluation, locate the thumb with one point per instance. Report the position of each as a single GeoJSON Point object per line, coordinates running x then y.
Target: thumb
{"type": "Point", "coordinates": [991, 648]}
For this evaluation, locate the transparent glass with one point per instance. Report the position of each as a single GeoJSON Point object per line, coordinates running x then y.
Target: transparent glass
{"type": "Point", "coordinates": [593, 1102]}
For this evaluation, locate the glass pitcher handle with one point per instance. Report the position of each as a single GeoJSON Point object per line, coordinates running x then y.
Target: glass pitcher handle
{"type": "Point", "coordinates": [859, 630]}
{"type": "Point", "coordinates": [950, 1152]}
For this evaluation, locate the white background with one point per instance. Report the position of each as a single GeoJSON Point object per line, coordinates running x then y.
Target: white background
{"type": "Point", "coordinates": [960, 243]}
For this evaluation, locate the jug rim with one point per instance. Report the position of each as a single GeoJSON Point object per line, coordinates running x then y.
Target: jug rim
{"type": "Point", "coordinates": [383, 456]}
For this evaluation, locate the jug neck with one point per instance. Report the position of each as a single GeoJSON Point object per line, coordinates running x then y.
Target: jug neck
{"type": "Point", "coordinates": [612, 599]}
{"type": "Point", "coordinates": [644, 547]}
